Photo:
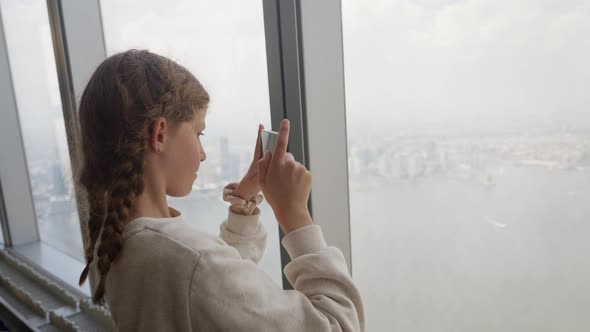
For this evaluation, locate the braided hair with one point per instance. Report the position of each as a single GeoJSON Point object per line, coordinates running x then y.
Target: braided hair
{"type": "Point", "coordinates": [125, 95]}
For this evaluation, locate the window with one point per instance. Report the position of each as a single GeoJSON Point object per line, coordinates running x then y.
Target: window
{"type": "Point", "coordinates": [469, 163]}
{"type": "Point", "coordinates": [222, 43]}
{"type": "Point", "coordinates": [32, 63]}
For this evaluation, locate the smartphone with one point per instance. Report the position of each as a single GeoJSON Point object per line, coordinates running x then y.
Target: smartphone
{"type": "Point", "coordinates": [268, 140]}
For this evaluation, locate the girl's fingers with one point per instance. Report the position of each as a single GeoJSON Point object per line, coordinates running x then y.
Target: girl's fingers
{"type": "Point", "coordinates": [282, 141]}
{"type": "Point", "coordinates": [289, 156]}
{"type": "Point", "coordinates": [263, 168]}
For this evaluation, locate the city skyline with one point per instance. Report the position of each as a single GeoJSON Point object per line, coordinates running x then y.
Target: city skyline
{"type": "Point", "coordinates": [468, 135]}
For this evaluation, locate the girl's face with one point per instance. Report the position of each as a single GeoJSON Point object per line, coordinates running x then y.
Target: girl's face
{"type": "Point", "coordinates": [184, 154]}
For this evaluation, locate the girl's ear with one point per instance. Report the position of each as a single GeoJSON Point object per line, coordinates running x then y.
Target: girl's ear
{"type": "Point", "coordinates": [158, 134]}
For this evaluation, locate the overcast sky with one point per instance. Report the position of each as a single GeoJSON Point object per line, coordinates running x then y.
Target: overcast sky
{"type": "Point", "coordinates": [467, 60]}
{"type": "Point", "coordinates": [406, 62]}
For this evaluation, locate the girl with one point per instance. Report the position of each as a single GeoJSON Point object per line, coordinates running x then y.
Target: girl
{"type": "Point", "coordinates": [141, 116]}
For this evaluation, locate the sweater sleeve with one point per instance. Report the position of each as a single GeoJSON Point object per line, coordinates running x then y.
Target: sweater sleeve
{"type": "Point", "coordinates": [245, 233]}
{"type": "Point", "coordinates": [232, 294]}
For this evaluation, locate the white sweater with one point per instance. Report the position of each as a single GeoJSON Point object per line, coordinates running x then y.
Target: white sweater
{"type": "Point", "coordinates": [172, 277]}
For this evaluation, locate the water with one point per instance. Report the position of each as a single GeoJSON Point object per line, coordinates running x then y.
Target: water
{"type": "Point", "coordinates": [443, 254]}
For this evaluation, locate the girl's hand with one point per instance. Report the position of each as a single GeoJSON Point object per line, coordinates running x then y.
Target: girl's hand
{"type": "Point", "coordinates": [286, 184]}
{"type": "Point", "coordinates": [249, 185]}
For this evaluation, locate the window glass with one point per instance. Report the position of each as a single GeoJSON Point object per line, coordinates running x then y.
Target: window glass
{"type": "Point", "coordinates": [36, 87]}
{"type": "Point", "coordinates": [469, 161]}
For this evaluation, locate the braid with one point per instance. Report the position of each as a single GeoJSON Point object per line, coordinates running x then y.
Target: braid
{"type": "Point", "coordinates": [97, 200]}
{"type": "Point", "coordinates": [125, 95]}
{"type": "Point", "coordinates": [122, 193]}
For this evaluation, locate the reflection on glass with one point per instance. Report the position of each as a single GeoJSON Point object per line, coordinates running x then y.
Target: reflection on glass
{"type": "Point", "coordinates": [32, 64]}
{"type": "Point", "coordinates": [222, 44]}
{"type": "Point", "coordinates": [469, 161]}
